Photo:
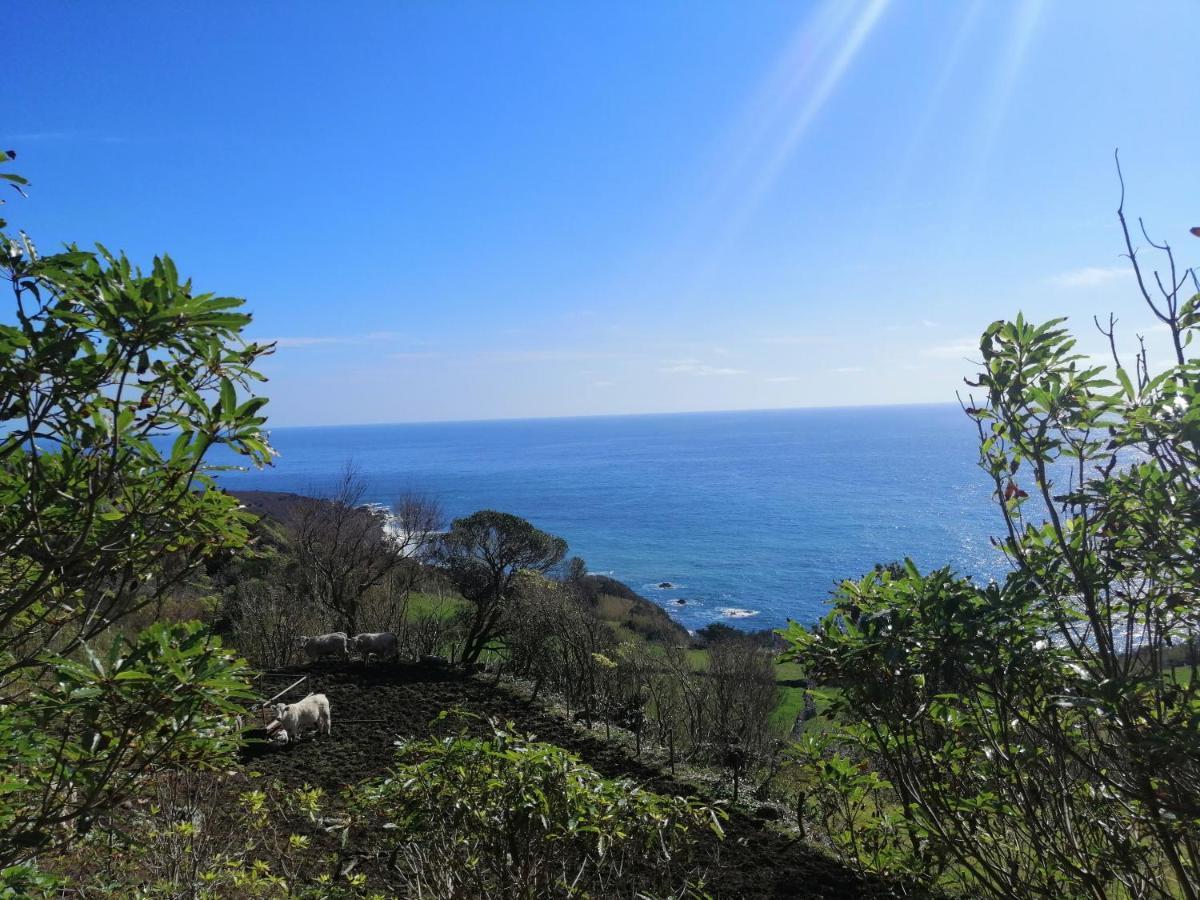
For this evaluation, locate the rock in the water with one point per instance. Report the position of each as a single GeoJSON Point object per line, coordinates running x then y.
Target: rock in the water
{"type": "Point", "coordinates": [665, 585]}
{"type": "Point", "coordinates": [681, 602]}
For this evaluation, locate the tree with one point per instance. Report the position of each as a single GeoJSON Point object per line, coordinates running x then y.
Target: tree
{"type": "Point", "coordinates": [342, 549]}
{"type": "Point", "coordinates": [1042, 735]}
{"type": "Point", "coordinates": [115, 384]}
{"type": "Point", "coordinates": [532, 616]}
{"type": "Point", "coordinates": [483, 553]}
{"type": "Point", "coordinates": [415, 525]}
{"type": "Point", "coordinates": [575, 571]}
{"type": "Point", "coordinates": [743, 696]}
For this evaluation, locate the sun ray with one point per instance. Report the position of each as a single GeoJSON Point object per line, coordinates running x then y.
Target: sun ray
{"type": "Point", "coordinates": [815, 100]}
{"type": "Point", "coordinates": [796, 90]}
{"type": "Point", "coordinates": [967, 24]}
{"type": "Point", "coordinates": [994, 107]}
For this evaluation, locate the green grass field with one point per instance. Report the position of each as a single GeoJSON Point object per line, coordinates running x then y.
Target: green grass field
{"type": "Point", "coordinates": [431, 606]}
{"type": "Point", "coordinates": [791, 695]}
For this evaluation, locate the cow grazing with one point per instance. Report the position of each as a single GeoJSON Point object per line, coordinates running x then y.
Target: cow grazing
{"type": "Point", "coordinates": [312, 711]}
{"type": "Point", "coordinates": [379, 643]}
{"type": "Point", "coordinates": [333, 644]}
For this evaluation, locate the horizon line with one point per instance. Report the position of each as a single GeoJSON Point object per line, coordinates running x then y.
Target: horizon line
{"type": "Point", "coordinates": [631, 415]}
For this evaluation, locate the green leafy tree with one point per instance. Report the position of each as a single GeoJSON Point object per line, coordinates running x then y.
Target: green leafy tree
{"type": "Point", "coordinates": [114, 386]}
{"type": "Point", "coordinates": [1041, 736]}
{"type": "Point", "coordinates": [483, 554]}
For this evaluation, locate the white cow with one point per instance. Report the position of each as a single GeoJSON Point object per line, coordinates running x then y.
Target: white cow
{"type": "Point", "coordinates": [378, 643]}
{"type": "Point", "coordinates": [312, 711]}
{"type": "Point", "coordinates": [333, 644]}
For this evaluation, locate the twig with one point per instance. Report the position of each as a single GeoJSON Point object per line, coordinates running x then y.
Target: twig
{"type": "Point", "coordinates": [281, 693]}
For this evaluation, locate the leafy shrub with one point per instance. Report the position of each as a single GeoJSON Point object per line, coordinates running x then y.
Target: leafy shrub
{"type": "Point", "coordinates": [853, 806]}
{"type": "Point", "coordinates": [508, 817]}
{"type": "Point", "coordinates": [114, 385]}
{"type": "Point", "coordinates": [1032, 735]}
{"type": "Point", "coordinates": [207, 835]}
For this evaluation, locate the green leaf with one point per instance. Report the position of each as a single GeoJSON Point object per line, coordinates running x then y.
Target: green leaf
{"type": "Point", "coordinates": [228, 398]}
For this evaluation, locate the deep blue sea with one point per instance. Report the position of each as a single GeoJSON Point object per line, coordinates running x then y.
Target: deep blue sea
{"type": "Point", "coordinates": [753, 516]}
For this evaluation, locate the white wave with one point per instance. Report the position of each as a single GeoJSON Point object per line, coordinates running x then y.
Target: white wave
{"type": "Point", "coordinates": [735, 612]}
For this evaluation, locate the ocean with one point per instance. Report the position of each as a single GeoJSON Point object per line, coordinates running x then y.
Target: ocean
{"type": "Point", "coordinates": [752, 517]}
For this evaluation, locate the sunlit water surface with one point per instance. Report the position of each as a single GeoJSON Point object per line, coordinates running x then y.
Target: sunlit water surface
{"type": "Point", "coordinates": [752, 517]}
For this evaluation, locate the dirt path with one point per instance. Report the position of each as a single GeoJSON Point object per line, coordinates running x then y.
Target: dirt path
{"type": "Point", "coordinates": [754, 861]}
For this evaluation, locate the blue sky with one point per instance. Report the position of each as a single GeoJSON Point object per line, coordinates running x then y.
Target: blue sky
{"type": "Point", "coordinates": [478, 210]}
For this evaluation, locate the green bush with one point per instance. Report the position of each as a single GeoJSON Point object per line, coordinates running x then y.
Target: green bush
{"type": "Point", "coordinates": [114, 386]}
{"type": "Point", "coordinates": [1032, 737]}
{"type": "Point", "coordinates": [203, 836]}
{"type": "Point", "coordinates": [506, 816]}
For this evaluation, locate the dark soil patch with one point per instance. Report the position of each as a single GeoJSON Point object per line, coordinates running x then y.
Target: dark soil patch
{"type": "Point", "coordinates": [754, 861]}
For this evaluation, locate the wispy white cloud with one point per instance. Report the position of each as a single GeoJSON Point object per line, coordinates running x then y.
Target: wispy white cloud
{"type": "Point", "coordinates": [695, 367]}
{"type": "Point", "coordinates": [1091, 276]}
{"type": "Point", "coordinates": [847, 370]}
{"type": "Point", "coordinates": [783, 379]}
{"type": "Point", "coordinates": [304, 341]}
{"type": "Point", "coordinates": [798, 339]}
{"type": "Point", "coordinates": [39, 136]}
{"type": "Point", "coordinates": [555, 355]}
{"type": "Point", "coordinates": [415, 354]}
{"type": "Point", "coordinates": [320, 340]}
{"type": "Point", "coordinates": [963, 348]}
{"type": "Point", "coordinates": [603, 384]}
{"type": "Point", "coordinates": [909, 326]}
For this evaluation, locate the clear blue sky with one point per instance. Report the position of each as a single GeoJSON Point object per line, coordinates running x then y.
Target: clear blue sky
{"type": "Point", "coordinates": [476, 210]}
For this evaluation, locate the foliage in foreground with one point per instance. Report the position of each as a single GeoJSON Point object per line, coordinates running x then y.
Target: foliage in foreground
{"type": "Point", "coordinates": [496, 816]}
{"type": "Point", "coordinates": [206, 835]}
{"type": "Point", "coordinates": [509, 817]}
{"type": "Point", "coordinates": [114, 386]}
{"type": "Point", "coordinates": [1029, 738]}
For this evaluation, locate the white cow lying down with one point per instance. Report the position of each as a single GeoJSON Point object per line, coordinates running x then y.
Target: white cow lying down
{"type": "Point", "coordinates": [332, 644]}
{"type": "Point", "coordinates": [312, 711]}
{"type": "Point", "coordinates": [378, 643]}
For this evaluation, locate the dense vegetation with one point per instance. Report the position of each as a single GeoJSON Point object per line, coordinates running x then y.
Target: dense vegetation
{"type": "Point", "coordinates": [610, 661]}
{"type": "Point", "coordinates": [1039, 736]}
{"type": "Point", "coordinates": [122, 712]}
{"type": "Point", "coordinates": [1034, 737]}
{"type": "Point", "coordinates": [102, 520]}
